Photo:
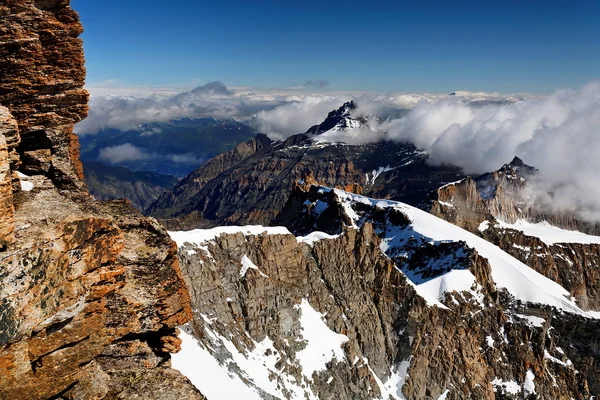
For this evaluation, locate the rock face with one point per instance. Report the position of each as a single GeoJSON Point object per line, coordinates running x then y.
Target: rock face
{"type": "Point", "coordinates": [42, 68]}
{"type": "Point", "coordinates": [503, 195]}
{"type": "Point", "coordinates": [251, 184]}
{"type": "Point", "coordinates": [90, 293]}
{"type": "Point", "coordinates": [258, 297]}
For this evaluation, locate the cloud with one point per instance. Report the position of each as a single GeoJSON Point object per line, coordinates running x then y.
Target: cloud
{"type": "Point", "coordinates": [296, 116]}
{"type": "Point", "coordinates": [316, 83]}
{"type": "Point", "coordinates": [188, 158]}
{"type": "Point", "coordinates": [211, 100]}
{"type": "Point", "coordinates": [122, 153]}
{"type": "Point", "coordinates": [558, 134]}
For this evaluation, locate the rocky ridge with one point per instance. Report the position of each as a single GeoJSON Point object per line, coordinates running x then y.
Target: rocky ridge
{"type": "Point", "coordinates": [251, 184]}
{"type": "Point", "coordinates": [90, 293]}
{"type": "Point", "coordinates": [478, 204]}
{"type": "Point", "coordinates": [254, 288]}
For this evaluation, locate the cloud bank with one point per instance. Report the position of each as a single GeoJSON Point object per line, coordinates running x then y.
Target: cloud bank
{"type": "Point", "coordinates": [211, 100]}
{"type": "Point", "coordinates": [559, 133]}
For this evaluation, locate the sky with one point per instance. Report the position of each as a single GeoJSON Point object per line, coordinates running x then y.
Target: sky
{"type": "Point", "coordinates": [381, 46]}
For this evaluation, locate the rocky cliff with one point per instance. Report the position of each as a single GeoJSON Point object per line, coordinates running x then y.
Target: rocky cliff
{"type": "Point", "coordinates": [90, 293]}
{"type": "Point", "coordinates": [477, 204]}
{"type": "Point", "coordinates": [378, 308]}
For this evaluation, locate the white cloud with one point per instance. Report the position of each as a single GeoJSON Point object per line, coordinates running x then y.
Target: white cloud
{"type": "Point", "coordinates": [559, 134]}
{"type": "Point", "coordinates": [122, 153]}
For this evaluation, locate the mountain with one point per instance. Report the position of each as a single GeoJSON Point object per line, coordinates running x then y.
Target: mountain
{"type": "Point", "coordinates": [91, 292]}
{"type": "Point", "coordinates": [251, 184]}
{"type": "Point", "coordinates": [106, 182]}
{"type": "Point", "coordinates": [389, 302]}
{"type": "Point", "coordinates": [500, 207]}
{"type": "Point", "coordinates": [176, 147]}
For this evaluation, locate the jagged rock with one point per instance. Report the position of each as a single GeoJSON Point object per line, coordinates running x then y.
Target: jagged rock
{"type": "Point", "coordinates": [6, 196]}
{"type": "Point", "coordinates": [475, 348]}
{"type": "Point", "coordinates": [504, 195]}
{"type": "Point", "coordinates": [78, 278]}
{"type": "Point", "coordinates": [42, 69]}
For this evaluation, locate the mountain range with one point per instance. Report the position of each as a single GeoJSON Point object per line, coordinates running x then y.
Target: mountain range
{"type": "Point", "coordinates": [251, 183]}
{"type": "Point", "coordinates": [367, 272]}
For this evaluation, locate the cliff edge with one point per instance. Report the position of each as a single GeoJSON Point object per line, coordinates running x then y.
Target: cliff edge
{"type": "Point", "coordinates": [90, 292]}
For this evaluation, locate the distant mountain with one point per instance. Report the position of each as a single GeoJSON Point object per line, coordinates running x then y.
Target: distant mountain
{"type": "Point", "coordinates": [251, 184]}
{"type": "Point", "coordinates": [106, 182]}
{"type": "Point", "coordinates": [174, 148]}
{"type": "Point", "coordinates": [499, 207]}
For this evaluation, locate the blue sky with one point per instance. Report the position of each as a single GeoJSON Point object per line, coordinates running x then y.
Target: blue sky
{"type": "Point", "coordinates": [430, 46]}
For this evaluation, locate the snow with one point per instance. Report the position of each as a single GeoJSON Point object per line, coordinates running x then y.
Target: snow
{"type": "Point", "coordinates": [444, 395]}
{"type": "Point", "coordinates": [532, 320]}
{"type": "Point", "coordinates": [234, 373]}
{"type": "Point", "coordinates": [322, 344]}
{"type": "Point", "coordinates": [392, 388]}
{"type": "Point", "coordinates": [455, 280]}
{"type": "Point", "coordinates": [520, 280]}
{"type": "Point", "coordinates": [247, 264]}
{"type": "Point", "coordinates": [315, 236]}
{"type": "Point", "coordinates": [201, 236]}
{"type": "Point", "coordinates": [529, 386]}
{"type": "Point", "coordinates": [483, 226]}
{"type": "Point", "coordinates": [511, 387]}
{"type": "Point", "coordinates": [550, 234]}
{"type": "Point", "coordinates": [26, 186]}
{"type": "Point", "coordinates": [375, 174]}
{"type": "Point", "coordinates": [450, 183]}
{"type": "Point", "coordinates": [548, 356]}
{"type": "Point", "coordinates": [197, 364]}
{"type": "Point", "coordinates": [489, 340]}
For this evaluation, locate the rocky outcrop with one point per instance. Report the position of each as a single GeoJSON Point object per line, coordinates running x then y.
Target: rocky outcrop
{"type": "Point", "coordinates": [42, 69]}
{"type": "Point", "coordinates": [251, 294]}
{"type": "Point", "coordinates": [90, 293]}
{"type": "Point", "coordinates": [503, 195]}
{"type": "Point", "coordinates": [251, 187]}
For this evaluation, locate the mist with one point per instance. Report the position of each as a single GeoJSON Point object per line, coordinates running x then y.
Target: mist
{"type": "Point", "coordinates": [558, 134]}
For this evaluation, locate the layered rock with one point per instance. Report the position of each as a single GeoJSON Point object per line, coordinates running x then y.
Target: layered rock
{"type": "Point", "coordinates": [90, 293]}
{"type": "Point", "coordinates": [42, 68]}
{"type": "Point", "coordinates": [251, 293]}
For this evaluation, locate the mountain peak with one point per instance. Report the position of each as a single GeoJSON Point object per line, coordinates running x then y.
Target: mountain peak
{"type": "Point", "coordinates": [340, 118]}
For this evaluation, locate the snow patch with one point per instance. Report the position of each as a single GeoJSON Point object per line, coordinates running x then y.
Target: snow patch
{"type": "Point", "coordinates": [247, 264]}
{"type": "Point", "coordinates": [315, 236]}
{"type": "Point", "coordinates": [322, 344]}
{"type": "Point", "coordinates": [550, 234]}
{"type": "Point", "coordinates": [511, 387]}
{"type": "Point", "coordinates": [26, 186]}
